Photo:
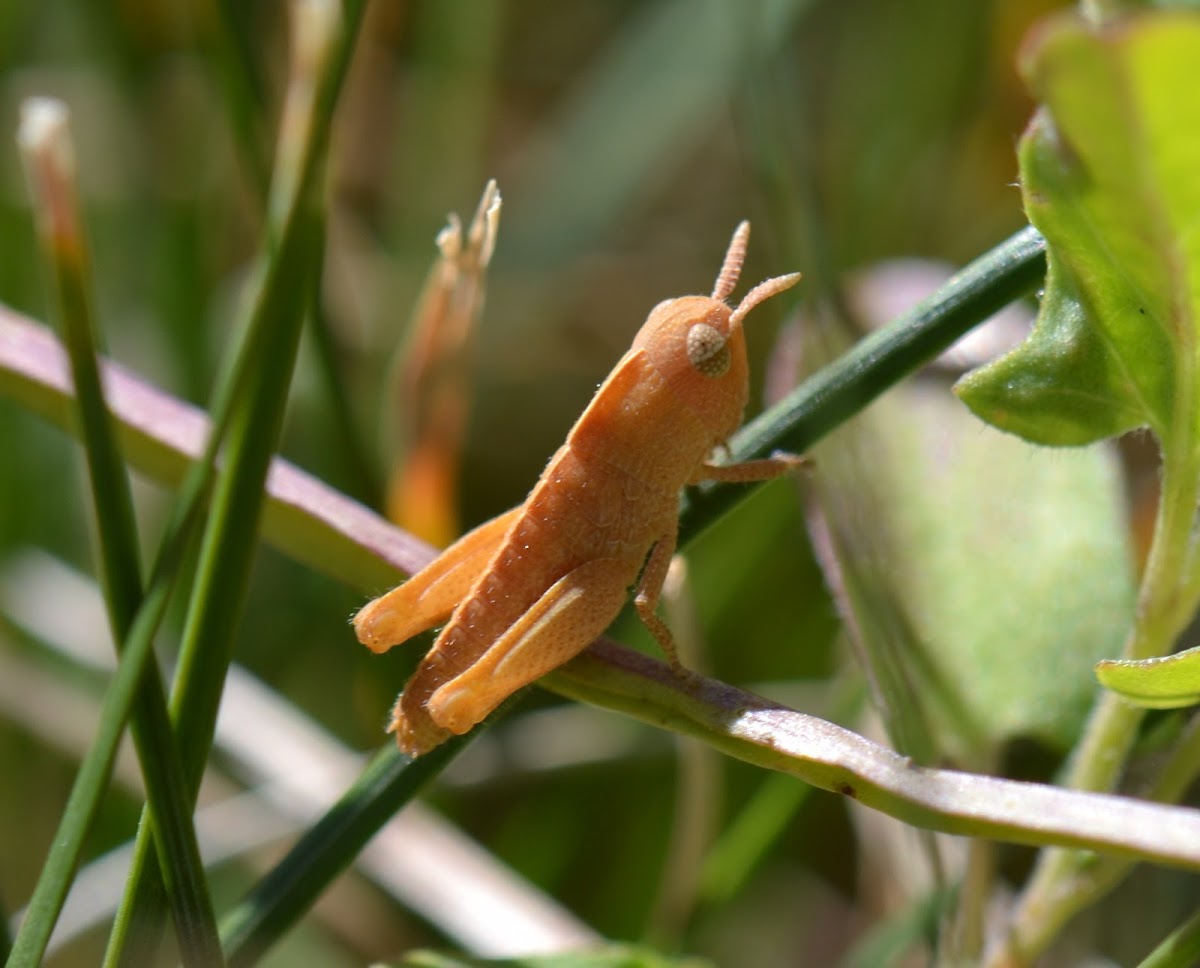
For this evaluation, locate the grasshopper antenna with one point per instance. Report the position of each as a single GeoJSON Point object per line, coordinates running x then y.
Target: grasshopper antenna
{"type": "Point", "coordinates": [764, 290]}
{"type": "Point", "coordinates": [731, 268]}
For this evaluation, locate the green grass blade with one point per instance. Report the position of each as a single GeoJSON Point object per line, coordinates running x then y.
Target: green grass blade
{"type": "Point", "coordinates": [1179, 949]}
{"type": "Point", "coordinates": [388, 782]}
{"type": "Point", "coordinates": [48, 151]}
{"type": "Point", "coordinates": [226, 553]}
{"type": "Point", "coordinates": [89, 786]}
{"type": "Point", "coordinates": [49, 154]}
{"type": "Point", "coordinates": [233, 63]}
{"type": "Point", "coordinates": [230, 47]}
{"type": "Point", "coordinates": [137, 660]}
{"type": "Point", "coordinates": [750, 837]}
{"type": "Point", "coordinates": [838, 391]}
{"type": "Point", "coordinates": [294, 243]}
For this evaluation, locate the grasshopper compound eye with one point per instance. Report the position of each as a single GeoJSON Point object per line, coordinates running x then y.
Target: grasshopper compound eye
{"type": "Point", "coordinates": [707, 350]}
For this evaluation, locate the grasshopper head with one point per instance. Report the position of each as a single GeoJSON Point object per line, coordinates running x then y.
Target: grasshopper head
{"type": "Point", "coordinates": [696, 343]}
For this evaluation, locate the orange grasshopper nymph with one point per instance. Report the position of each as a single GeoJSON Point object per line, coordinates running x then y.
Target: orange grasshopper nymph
{"type": "Point", "coordinates": [531, 588]}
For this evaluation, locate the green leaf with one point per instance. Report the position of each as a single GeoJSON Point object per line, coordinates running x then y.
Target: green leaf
{"type": "Point", "coordinates": [986, 577]}
{"type": "Point", "coordinates": [1163, 682]}
{"type": "Point", "coordinates": [1108, 172]}
{"type": "Point", "coordinates": [282, 897]}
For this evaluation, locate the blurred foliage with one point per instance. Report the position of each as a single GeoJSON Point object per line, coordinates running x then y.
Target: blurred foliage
{"type": "Point", "coordinates": [969, 510]}
{"type": "Point", "coordinates": [628, 138]}
{"type": "Point", "coordinates": [616, 957]}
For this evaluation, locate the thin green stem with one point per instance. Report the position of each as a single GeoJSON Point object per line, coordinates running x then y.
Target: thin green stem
{"type": "Point", "coordinates": [1161, 615]}
{"type": "Point", "coordinates": [1084, 879]}
{"type": "Point", "coordinates": [1180, 949]}
{"type": "Point", "coordinates": [966, 940]}
{"type": "Point", "coordinates": [244, 101]}
{"type": "Point", "coordinates": [91, 782]}
{"type": "Point", "coordinates": [50, 156]}
{"type": "Point", "coordinates": [1052, 894]}
{"type": "Point", "coordinates": [137, 659]}
{"type": "Point", "coordinates": [231, 52]}
{"type": "Point", "coordinates": [823, 754]}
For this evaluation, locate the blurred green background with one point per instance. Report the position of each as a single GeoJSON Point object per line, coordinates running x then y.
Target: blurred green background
{"type": "Point", "coordinates": [628, 139]}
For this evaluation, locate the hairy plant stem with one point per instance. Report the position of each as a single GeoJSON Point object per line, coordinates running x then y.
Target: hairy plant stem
{"type": "Point", "coordinates": [1064, 882]}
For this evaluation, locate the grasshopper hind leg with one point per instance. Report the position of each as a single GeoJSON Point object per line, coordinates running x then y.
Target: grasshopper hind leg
{"type": "Point", "coordinates": [573, 612]}
{"type": "Point", "coordinates": [431, 595]}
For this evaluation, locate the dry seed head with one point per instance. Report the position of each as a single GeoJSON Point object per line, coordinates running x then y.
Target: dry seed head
{"type": "Point", "coordinates": [44, 137]}
{"type": "Point", "coordinates": [486, 223]}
